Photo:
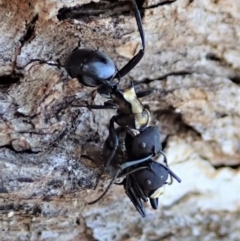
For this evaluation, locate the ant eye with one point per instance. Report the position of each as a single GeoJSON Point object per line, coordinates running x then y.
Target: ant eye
{"type": "Point", "coordinates": [143, 145]}
{"type": "Point", "coordinates": [148, 182]}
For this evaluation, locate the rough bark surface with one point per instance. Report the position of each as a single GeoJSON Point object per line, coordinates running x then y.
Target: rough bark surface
{"type": "Point", "coordinates": [192, 61]}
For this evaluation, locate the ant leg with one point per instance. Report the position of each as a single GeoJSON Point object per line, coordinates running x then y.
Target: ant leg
{"type": "Point", "coordinates": [41, 61]}
{"type": "Point", "coordinates": [131, 193]}
{"type": "Point", "coordinates": [144, 93]}
{"type": "Point", "coordinates": [139, 191]}
{"type": "Point", "coordinates": [99, 176]}
{"type": "Point", "coordinates": [106, 190]}
{"type": "Point", "coordinates": [114, 141]}
{"type": "Point", "coordinates": [120, 169]}
{"type": "Point", "coordinates": [135, 60]}
{"type": "Point", "coordinates": [107, 105]}
{"type": "Point", "coordinates": [95, 107]}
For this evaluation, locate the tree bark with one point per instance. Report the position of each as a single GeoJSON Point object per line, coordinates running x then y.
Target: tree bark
{"type": "Point", "coordinates": [192, 61]}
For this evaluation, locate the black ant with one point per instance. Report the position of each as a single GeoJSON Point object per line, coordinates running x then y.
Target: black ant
{"type": "Point", "coordinates": [133, 145]}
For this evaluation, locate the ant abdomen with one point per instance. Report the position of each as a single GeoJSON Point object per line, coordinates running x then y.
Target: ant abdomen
{"type": "Point", "coordinates": [90, 67]}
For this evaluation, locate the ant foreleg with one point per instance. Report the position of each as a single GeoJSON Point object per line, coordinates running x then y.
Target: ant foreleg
{"type": "Point", "coordinates": [120, 169]}
{"type": "Point", "coordinates": [130, 191]}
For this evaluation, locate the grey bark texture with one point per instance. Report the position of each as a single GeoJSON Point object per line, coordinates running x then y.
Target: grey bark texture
{"type": "Point", "coordinates": [192, 60]}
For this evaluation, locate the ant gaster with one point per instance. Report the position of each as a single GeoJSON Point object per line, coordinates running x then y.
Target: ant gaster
{"type": "Point", "coordinates": [94, 68]}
